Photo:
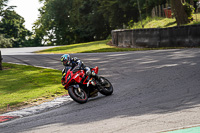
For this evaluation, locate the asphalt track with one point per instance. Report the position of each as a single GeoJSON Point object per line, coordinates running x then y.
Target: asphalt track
{"type": "Point", "coordinates": [154, 91]}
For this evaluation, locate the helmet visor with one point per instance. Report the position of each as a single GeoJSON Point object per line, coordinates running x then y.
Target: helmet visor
{"type": "Point", "coordinates": [66, 62]}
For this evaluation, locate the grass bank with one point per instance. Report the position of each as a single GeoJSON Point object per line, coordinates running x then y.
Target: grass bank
{"type": "Point", "coordinates": [160, 22]}
{"type": "Point", "coordinates": [92, 47]}
{"type": "Point", "coordinates": [22, 85]}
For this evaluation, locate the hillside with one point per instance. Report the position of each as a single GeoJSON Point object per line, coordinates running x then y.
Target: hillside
{"type": "Point", "coordinates": [162, 22]}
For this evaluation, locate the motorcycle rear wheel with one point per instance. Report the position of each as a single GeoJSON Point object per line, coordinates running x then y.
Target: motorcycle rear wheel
{"type": "Point", "coordinates": [79, 97]}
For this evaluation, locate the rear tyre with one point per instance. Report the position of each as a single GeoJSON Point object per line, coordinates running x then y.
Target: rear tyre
{"type": "Point", "coordinates": [79, 97]}
{"type": "Point", "coordinates": [106, 87]}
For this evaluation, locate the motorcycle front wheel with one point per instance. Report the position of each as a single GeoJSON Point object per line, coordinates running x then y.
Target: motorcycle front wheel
{"type": "Point", "coordinates": [106, 87]}
{"type": "Point", "coordinates": [77, 95]}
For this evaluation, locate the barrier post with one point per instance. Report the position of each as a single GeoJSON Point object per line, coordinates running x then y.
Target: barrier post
{"type": "Point", "coordinates": [0, 61]}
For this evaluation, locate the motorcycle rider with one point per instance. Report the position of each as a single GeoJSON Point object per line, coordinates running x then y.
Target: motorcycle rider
{"type": "Point", "coordinates": [75, 64]}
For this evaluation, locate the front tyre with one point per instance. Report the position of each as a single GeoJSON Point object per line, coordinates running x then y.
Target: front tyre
{"type": "Point", "coordinates": [77, 95]}
{"type": "Point", "coordinates": [106, 86]}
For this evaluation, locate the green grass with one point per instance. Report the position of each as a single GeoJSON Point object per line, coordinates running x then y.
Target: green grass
{"type": "Point", "coordinates": [94, 47]}
{"type": "Point", "coordinates": [21, 85]}
{"type": "Point", "coordinates": [90, 47]}
{"type": "Point", "coordinates": [161, 23]}
{"type": "Point", "coordinates": [79, 48]}
{"type": "Point", "coordinates": [158, 22]}
{"type": "Point", "coordinates": [196, 18]}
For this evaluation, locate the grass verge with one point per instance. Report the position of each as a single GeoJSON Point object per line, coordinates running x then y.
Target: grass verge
{"type": "Point", "coordinates": [94, 47]}
{"type": "Point", "coordinates": [22, 85]}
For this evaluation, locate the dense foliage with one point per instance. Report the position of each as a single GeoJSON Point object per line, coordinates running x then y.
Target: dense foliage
{"type": "Point", "coordinates": [12, 30]}
{"type": "Point", "coordinates": [74, 21]}
{"type": "Point", "coordinates": [189, 10]}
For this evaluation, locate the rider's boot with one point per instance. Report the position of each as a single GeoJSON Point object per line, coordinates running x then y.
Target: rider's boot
{"type": "Point", "coordinates": [94, 93]}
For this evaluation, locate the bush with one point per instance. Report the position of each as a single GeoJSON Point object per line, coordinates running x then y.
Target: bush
{"type": "Point", "coordinates": [5, 42]}
{"type": "Point", "coordinates": [189, 10]}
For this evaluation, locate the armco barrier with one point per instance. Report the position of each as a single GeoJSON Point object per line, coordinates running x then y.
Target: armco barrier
{"type": "Point", "coordinates": [182, 36]}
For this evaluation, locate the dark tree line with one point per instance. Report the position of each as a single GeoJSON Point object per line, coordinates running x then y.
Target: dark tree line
{"type": "Point", "coordinates": [74, 21]}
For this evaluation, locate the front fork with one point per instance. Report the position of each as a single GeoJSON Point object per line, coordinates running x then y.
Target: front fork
{"type": "Point", "coordinates": [92, 81]}
{"type": "Point", "coordinates": [95, 84]}
{"type": "Point", "coordinates": [78, 87]}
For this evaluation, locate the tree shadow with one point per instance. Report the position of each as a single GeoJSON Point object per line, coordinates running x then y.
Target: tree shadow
{"type": "Point", "coordinates": [169, 24]}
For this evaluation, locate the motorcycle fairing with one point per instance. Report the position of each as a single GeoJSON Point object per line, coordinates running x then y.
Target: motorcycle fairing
{"type": "Point", "coordinates": [78, 77]}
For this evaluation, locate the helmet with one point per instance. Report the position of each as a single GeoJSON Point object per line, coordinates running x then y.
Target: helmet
{"type": "Point", "coordinates": [65, 59]}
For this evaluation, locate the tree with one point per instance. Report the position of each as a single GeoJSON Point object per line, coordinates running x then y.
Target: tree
{"type": "Point", "coordinates": [74, 21]}
{"type": "Point", "coordinates": [5, 42]}
{"type": "Point", "coordinates": [71, 21]}
{"type": "Point", "coordinates": [53, 25]}
{"type": "Point", "coordinates": [192, 2]}
{"type": "Point", "coordinates": [179, 12]}
{"type": "Point", "coordinates": [11, 26]}
{"type": "Point", "coordinates": [119, 12]}
{"type": "Point", "coordinates": [2, 5]}
{"type": "Point", "coordinates": [91, 23]}
{"type": "Point", "coordinates": [12, 29]}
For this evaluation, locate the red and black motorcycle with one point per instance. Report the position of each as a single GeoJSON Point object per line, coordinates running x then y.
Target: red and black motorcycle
{"type": "Point", "coordinates": [81, 86]}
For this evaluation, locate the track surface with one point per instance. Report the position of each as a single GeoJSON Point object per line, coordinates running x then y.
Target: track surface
{"type": "Point", "coordinates": [154, 91]}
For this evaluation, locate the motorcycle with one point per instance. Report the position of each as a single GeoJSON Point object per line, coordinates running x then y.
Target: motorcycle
{"type": "Point", "coordinates": [82, 86]}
